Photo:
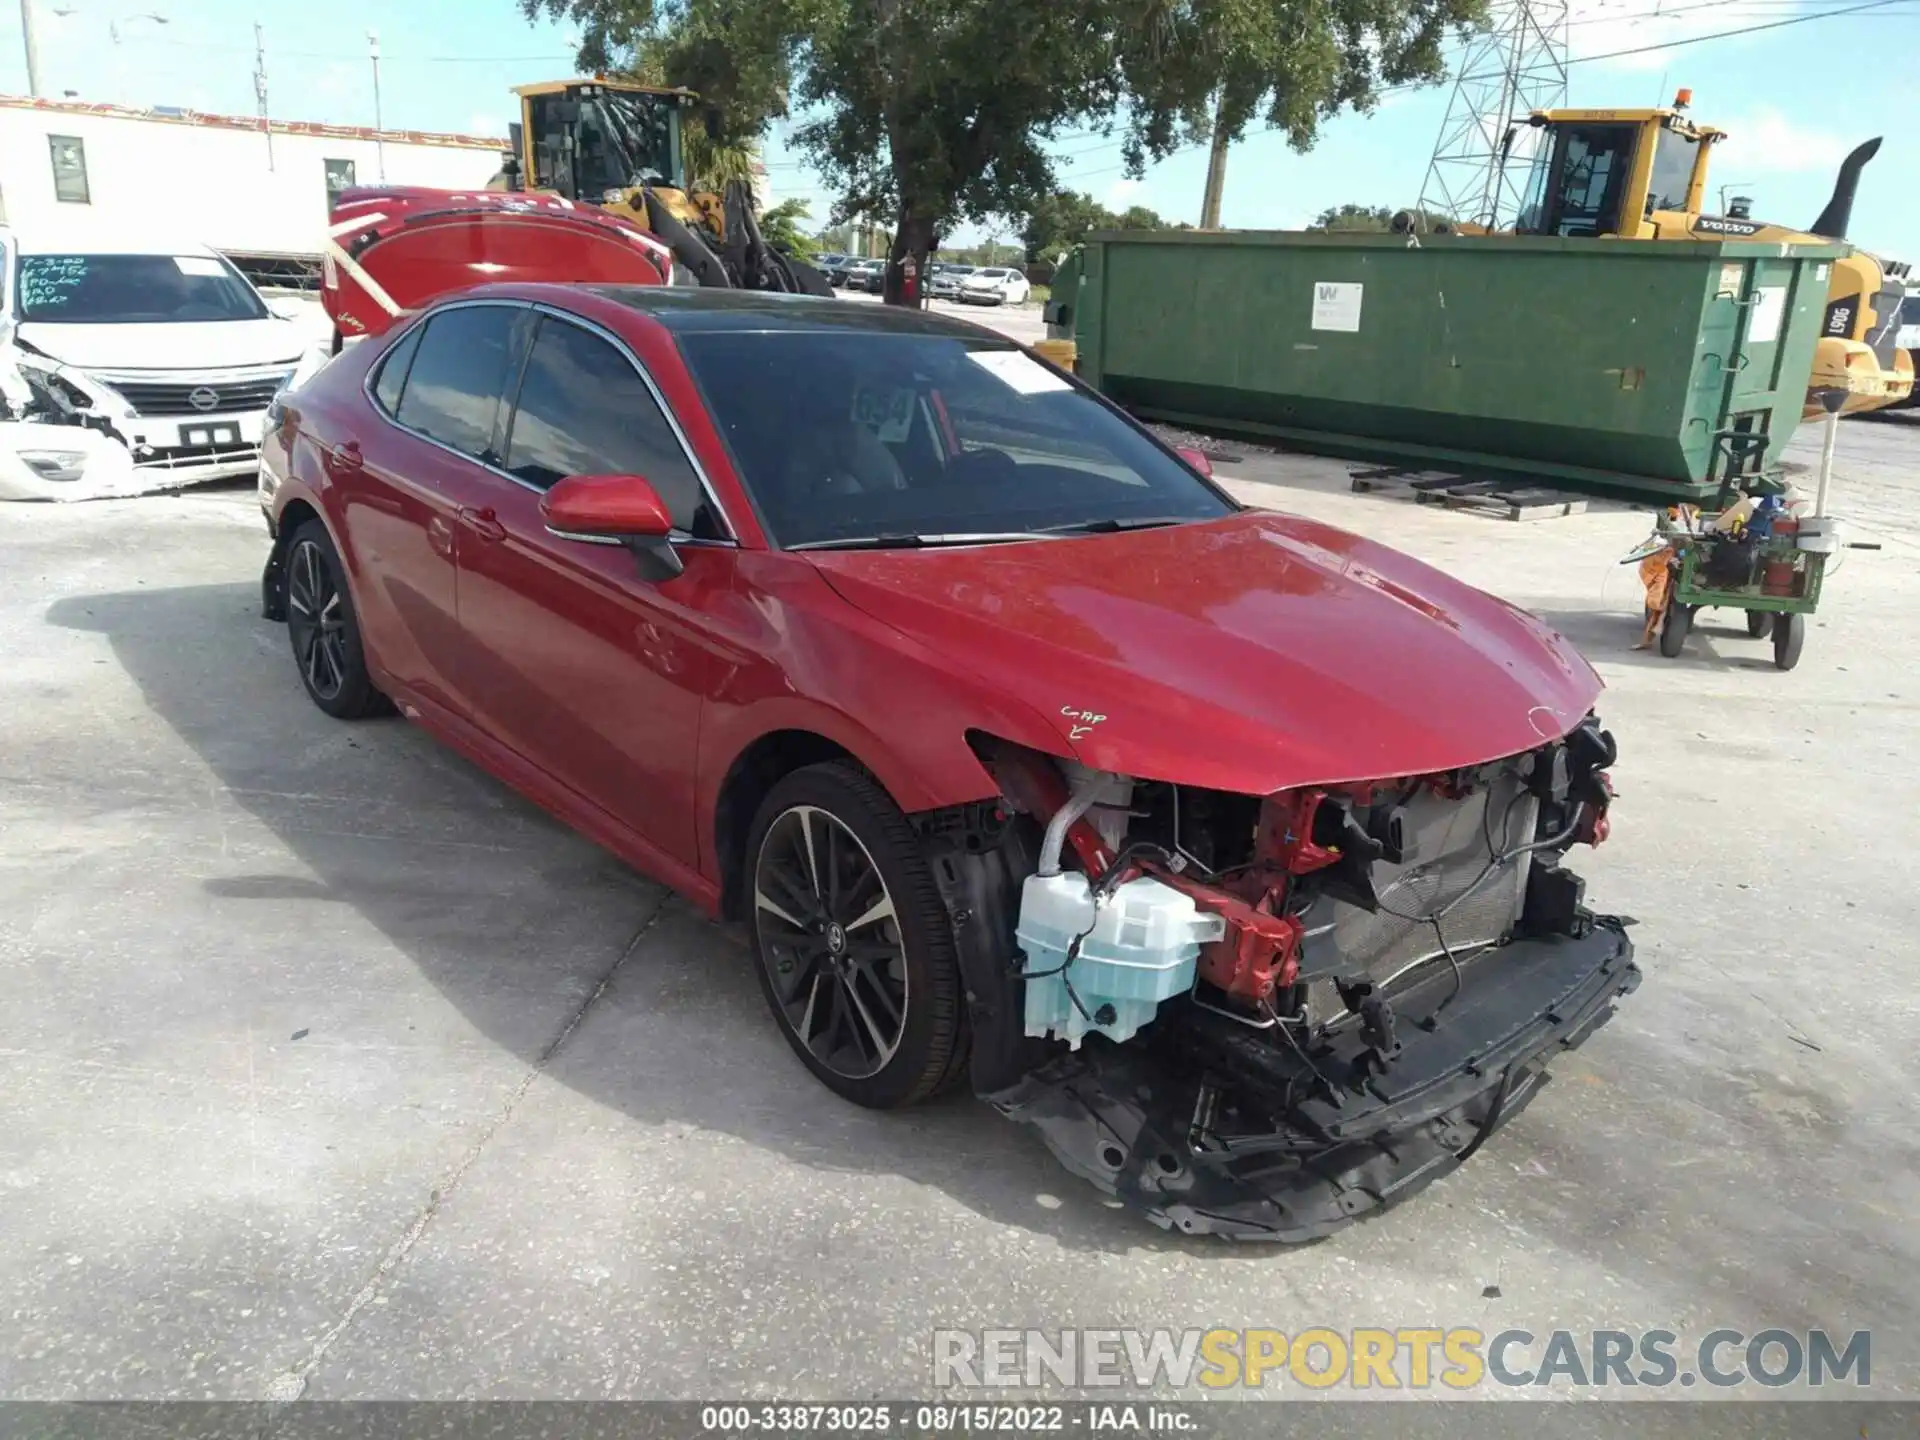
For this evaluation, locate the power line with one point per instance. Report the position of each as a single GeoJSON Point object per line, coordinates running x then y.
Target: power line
{"type": "Point", "coordinates": [1591, 59]}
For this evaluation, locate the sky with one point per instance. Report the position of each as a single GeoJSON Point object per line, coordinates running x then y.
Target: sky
{"type": "Point", "coordinates": [1795, 98]}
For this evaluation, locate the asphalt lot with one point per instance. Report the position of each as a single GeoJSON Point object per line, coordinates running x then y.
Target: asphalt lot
{"type": "Point", "coordinates": [332, 1068]}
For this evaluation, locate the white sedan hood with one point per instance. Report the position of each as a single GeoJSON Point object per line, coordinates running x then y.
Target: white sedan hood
{"type": "Point", "coordinates": [196, 345]}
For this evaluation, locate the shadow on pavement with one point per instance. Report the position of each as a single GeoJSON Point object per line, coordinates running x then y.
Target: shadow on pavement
{"type": "Point", "coordinates": [515, 920]}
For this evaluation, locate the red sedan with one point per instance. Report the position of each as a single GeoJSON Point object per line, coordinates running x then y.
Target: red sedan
{"type": "Point", "coordinates": [1223, 847]}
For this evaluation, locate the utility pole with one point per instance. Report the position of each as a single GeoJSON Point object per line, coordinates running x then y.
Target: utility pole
{"type": "Point", "coordinates": [33, 51]}
{"type": "Point", "coordinates": [379, 144]}
{"type": "Point", "coordinates": [1216, 172]}
{"type": "Point", "coordinates": [260, 85]}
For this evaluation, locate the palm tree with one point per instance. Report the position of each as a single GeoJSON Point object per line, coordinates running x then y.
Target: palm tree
{"type": "Point", "coordinates": [780, 228]}
{"type": "Point", "coordinates": [712, 164]}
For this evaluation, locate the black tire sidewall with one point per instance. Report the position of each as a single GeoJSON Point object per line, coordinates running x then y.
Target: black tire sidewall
{"type": "Point", "coordinates": [357, 696]}
{"type": "Point", "coordinates": [1760, 623]}
{"type": "Point", "coordinates": [1673, 630]}
{"type": "Point", "coordinates": [1789, 636]}
{"type": "Point", "coordinates": [934, 999]}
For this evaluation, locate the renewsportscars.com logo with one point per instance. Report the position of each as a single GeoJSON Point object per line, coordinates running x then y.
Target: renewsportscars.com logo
{"type": "Point", "coordinates": [1411, 1358]}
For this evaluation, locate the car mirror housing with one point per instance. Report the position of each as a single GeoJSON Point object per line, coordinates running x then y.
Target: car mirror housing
{"type": "Point", "coordinates": [1197, 459]}
{"type": "Point", "coordinates": [615, 509]}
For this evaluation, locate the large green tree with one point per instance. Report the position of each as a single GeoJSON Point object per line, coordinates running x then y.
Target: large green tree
{"type": "Point", "coordinates": [933, 112]}
{"type": "Point", "coordinates": [1062, 220]}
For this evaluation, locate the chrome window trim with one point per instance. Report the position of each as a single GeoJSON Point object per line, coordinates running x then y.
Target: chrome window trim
{"type": "Point", "coordinates": [678, 537]}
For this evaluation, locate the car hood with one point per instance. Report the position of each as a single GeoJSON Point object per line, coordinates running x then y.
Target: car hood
{"type": "Point", "coordinates": [1251, 654]}
{"type": "Point", "coordinates": [201, 345]}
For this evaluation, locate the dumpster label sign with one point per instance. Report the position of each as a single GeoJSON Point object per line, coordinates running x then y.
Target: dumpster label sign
{"type": "Point", "coordinates": [1769, 304]}
{"type": "Point", "coordinates": [1336, 306]}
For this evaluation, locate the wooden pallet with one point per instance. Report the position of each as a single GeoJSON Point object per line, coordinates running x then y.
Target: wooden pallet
{"type": "Point", "coordinates": [1501, 499]}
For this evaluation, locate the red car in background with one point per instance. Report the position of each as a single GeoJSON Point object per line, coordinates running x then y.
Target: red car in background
{"type": "Point", "coordinates": [1223, 847]}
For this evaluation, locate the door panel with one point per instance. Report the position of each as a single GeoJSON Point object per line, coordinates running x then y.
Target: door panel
{"type": "Point", "coordinates": [401, 490]}
{"type": "Point", "coordinates": [585, 669]}
{"type": "Point", "coordinates": [569, 657]}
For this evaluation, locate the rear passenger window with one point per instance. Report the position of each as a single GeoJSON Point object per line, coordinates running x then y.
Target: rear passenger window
{"type": "Point", "coordinates": [392, 378]}
{"type": "Point", "coordinates": [452, 389]}
{"type": "Point", "coordinates": [584, 410]}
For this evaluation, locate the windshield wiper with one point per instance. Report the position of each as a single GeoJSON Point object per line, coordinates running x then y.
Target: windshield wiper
{"type": "Point", "coordinates": [1110, 525]}
{"type": "Point", "coordinates": [917, 542]}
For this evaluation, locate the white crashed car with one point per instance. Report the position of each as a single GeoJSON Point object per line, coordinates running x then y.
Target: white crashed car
{"type": "Point", "coordinates": [131, 364]}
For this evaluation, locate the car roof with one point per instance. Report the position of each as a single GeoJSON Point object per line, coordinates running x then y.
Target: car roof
{"type": "Point", "coordinates": [75, 235]}
{"type": "Point", "coordinates": [685, 310]}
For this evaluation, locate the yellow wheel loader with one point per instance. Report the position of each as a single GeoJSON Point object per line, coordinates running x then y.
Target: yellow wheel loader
{"type": "Point", "coordinates": [594, 189]}
{"type": "Point", "coordinates": [618, 145]}
{"type": "Point", "coordinates": [1642, 175]}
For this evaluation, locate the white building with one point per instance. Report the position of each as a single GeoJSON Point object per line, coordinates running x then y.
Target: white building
{"type": "Point", "coordinates": [255, 192]}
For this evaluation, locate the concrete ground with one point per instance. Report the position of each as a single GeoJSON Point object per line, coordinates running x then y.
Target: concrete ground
{"type": "Point", "coordinates": [332, 1068]}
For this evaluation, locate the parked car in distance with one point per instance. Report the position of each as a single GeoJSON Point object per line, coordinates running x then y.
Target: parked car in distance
{"type": "Point", "coordinates": [944, 283]}
{"type": "Point", "coordinates": [832, 266]}
{"type": "Point", "coordinates": [994, 285]}
{"type": "Point", "coordinates": [167, 350]}
{"type": "Point", "coordinates": [1185, 832]}
{"type": "Point", "coordinates": [867, 275]}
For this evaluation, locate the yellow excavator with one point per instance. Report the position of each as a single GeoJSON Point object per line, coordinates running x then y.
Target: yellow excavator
{"type": "Point", "coordinates": [620, 146]}
{"type": "Point", "coordinates": [1642, 175]}
{"type": "Point", "coordinates": [594, 189]}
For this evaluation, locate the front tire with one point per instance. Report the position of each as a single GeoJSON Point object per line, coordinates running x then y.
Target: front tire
{"type": "Point", "coordinates": [1789, 635]}
{"type": "Point", "coordinates": [1673, 631]}
{"type": "Point", "coordinates": [1759, 623]}
{"type": "Point", "coordinates": [854, 947]}
{"type": "Point", "coordinates": [324, 630]}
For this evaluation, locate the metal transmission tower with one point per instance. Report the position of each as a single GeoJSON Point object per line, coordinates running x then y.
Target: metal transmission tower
{"type": "Point", "coordinates": [1516, 65]}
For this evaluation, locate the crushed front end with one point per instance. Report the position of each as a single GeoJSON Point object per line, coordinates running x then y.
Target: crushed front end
{"type": "Point", "coordinates": [1260, 1017]}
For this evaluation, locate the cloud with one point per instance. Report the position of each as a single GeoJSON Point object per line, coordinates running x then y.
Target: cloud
{"type": "Point", "coordinates": [1120, 194]}
{"type": "Point", "coordinates": [1764, 141]}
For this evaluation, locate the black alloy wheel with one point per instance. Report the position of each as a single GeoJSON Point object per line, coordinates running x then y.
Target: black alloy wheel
{"type": "Point", "coordinates": [854, 946]}
{"type": "Point", "coordinates": [323, 630]}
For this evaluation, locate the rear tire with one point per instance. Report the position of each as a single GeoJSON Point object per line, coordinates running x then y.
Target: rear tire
{"type": "Point", "coordinates": [324, 630]}
{"type": "Point", "coordinates": [1789, 634]}
{"type": "Point", "coordinates": [853, 944]}
{"type": "Point", "coordinates": [1673, 631]}
{"type": "Point", "coordinates": [1759, 623]}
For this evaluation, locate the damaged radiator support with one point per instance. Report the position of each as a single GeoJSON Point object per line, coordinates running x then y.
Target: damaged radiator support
{"type": "Point", "coordinates": [1265, 1042]}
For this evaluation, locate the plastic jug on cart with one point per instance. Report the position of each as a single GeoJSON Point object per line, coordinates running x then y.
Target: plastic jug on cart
{"type": "Point", "coordinates": [1136, 948]}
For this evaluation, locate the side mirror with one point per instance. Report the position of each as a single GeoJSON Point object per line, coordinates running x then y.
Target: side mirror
{"type": "Point", "coordinates": [715, 122]}
{"type": "Point", "coordinates": [615, 510]}
{"type": "Point", "coordinates": [1195, 458]}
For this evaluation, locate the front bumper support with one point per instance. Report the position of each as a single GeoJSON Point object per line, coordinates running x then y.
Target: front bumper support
{"type": "Point", "coordinates": [1154, 1124]}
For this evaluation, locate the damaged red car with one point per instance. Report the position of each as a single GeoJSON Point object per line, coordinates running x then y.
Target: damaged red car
{"type": "Point", "coordinates": [1225, 848]}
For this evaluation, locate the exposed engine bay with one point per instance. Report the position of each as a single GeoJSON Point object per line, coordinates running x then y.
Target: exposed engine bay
{"type": "Point", "coordinates": [1260, 1017]}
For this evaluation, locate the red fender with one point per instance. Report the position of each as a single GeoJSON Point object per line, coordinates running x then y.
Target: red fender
{"type": "Point", "coordinates": [391, 251]}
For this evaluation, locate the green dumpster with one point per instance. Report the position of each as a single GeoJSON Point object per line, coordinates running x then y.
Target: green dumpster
{"type": "Point", "coordinates": [1655, 369]}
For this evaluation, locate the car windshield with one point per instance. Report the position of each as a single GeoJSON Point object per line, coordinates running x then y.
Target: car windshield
{"type": "Point", "coordinates": [989, 274]}
{"type": "Point", "coordinates": [132, 290]}
{"type": "Point", "coordinates": [853, 437]}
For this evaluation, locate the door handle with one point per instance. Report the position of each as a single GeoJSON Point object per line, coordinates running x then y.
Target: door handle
{"type": "Point", "coordinates": [484, 524]}
{"type": "Point", "coordinates": [347, 456]}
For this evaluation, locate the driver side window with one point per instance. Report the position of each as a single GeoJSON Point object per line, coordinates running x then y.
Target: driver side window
{"type": "Point", "coordinates": [584, 410]}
